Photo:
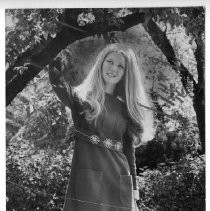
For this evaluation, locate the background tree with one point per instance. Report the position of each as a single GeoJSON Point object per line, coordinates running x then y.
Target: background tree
{"type": "Point", "coordinates": [193, 20]}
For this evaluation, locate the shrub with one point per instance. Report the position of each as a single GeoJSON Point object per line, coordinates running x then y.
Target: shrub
{"type": "Point", "coordinates": [177, 187]}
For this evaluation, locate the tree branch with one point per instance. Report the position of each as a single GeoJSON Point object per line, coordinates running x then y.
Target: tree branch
{"type": "Point", "coordinates": [15, 83]}
{"type": "Point", "coordinates": [163, 43]}
{"type": "Point", "coordinates": [161, 40]}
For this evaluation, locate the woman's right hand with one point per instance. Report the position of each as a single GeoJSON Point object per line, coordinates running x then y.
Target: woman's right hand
{"type": "Point", "coordinates": [55, 71]}
{"type": "Point", "coordinates": [55, 67]}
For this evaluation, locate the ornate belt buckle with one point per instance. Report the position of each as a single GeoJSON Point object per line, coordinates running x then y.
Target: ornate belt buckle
{"type": "Point", "coordinates": [108, 143]}
{"type": "Point", "coordinates": [118, 146]}
{"type": "Point", "coordinates": [94, 139]}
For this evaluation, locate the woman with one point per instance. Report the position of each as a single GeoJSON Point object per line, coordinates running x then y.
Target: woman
{"type": "Point", "coordinates": [108, 120]}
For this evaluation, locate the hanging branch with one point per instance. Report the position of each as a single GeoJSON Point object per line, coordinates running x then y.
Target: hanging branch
{"type": "Point", "coordinates": [16, 82]}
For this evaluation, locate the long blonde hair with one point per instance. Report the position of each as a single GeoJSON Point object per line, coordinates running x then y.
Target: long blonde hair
{"type": "Point", "coordinates": [130, 89]}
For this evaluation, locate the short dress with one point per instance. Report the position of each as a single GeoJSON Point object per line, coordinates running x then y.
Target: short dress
{"type": "Point", "coordinates": [102, 178]}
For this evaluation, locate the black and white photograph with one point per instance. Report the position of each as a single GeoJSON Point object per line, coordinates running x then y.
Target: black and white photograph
{"type": "Point", "coordinates": [105, 108]}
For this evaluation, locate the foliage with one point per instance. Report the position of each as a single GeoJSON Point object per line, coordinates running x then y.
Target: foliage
{"type": "Point", "coordinates": [39, 159]}
{"type": "Point", "coordinates": [176, 136]}
{"type": "Point", "coordinates": [36, 179]}
{"type": "Point", "coordinates": [27, 27]}
{"type": "Point", "coordinates": [169, 145]}
{"type": "Point", "coordinates": [177, 187]}
{"type": "Point", "coordinates": [192, 18]}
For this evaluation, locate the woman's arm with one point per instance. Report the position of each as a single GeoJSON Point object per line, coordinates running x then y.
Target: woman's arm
{"type": "Point", "coordinates": [129, 151]}
{"type": "Point", "coordinates": [61, 88]}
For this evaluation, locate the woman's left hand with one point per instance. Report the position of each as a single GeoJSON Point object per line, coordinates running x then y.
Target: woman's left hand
{"type": "Point", "coordinates": [136, 195]}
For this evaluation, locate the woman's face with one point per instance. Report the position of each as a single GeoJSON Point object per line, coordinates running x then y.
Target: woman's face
{"type": "Point", "coordinates": [113, 68]}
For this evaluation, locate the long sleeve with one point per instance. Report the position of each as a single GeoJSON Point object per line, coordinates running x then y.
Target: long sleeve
{"type": "Point", "coordinates": [61, 88]}
{"type": "Point", "coordinates": [129, 151]}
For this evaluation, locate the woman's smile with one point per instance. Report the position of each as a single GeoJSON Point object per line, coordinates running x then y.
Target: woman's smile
{"type": "Point", "coordinates": [111, 75]}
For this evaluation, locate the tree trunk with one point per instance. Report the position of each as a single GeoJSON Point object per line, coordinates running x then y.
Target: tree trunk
{"type": "Point", "coordinates": [199, 93]}
{"type": "Point", "coordinates": [161, 40]}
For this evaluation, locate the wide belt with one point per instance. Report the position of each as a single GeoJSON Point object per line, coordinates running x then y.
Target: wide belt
{"type": "Point", "coordinates": [95, 139]}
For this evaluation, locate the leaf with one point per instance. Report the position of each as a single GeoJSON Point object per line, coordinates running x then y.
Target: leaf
{"type": "Point", "coordinates": [31, 108]}
{"type": "Point", "coordinates": [121, 21]}
{"type": "Point", "coordinates": [53, 35]}
{"type": "Point", "coordinates": [37, 39]}
{"type": "Point", "coordinates": [45, 34]}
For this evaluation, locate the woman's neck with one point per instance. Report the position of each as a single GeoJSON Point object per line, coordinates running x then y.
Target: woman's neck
{"type": "Point", "coordinates": [109, 88]}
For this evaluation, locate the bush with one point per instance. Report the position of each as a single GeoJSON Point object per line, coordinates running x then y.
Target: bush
{"type": "Point", "coordinates": [38, 159]}
{"type": "Point", "coordinates": [177, 187]}
{"type": "Point", "coordinates": [36, 180]}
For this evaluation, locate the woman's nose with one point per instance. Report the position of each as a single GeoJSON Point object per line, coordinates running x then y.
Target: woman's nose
{"type": "Point", "coordinates": [114, 68]}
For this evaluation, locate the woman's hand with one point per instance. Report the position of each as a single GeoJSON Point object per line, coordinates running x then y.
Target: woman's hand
{"type": "Point", "coordinates": [55, 66]}
{"type": "Point", "coordinates": [136, 195]}
{"type": "Point", "coordinates": [55, 72]}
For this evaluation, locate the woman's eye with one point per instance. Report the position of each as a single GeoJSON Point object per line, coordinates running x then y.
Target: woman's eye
{"type": "Point", "coordinates": [109, 61]}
